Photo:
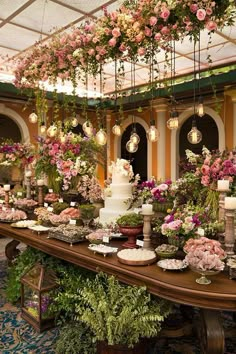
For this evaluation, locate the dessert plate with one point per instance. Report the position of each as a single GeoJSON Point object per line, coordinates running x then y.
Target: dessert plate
{"type": "Point", "coordinates": [172, 264]}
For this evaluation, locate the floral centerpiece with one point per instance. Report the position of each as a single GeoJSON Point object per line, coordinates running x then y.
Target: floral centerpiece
{"type": "Point", "coordinates": [16, 154]}
{"type": "Point", "coordinates": [152, 192]}
{"type": "Point", "coordinates": [64, 163]}
{"type": "Point", "coordinates": [182, 224]}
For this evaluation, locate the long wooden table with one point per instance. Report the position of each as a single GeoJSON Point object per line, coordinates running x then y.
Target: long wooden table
{"type": "Point", "coordinates": [179, 287]}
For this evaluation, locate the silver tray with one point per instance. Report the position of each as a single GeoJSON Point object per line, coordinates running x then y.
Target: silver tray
{"type": "Point", "coordinates": [68, 239]}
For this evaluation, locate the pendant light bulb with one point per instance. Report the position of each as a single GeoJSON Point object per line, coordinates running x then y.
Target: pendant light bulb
{"type": "Point", "coordinates": [116, 129]}
{"type": "Point", "coordinates": [131, 146]}
{"type": "Point", "coordinates": [88, 128]}
{"type": "Point", "coordinates": [52, 130]}
{"type": "Point", "coordinates": [43, 128]}
{"type": "Point", "coordinates": [74, 121]}
{"type": "Point", "coordinates": [152, 133]}
{"type": "Point", "coordinates": [194, 136]}
{"type": "Point", "coordinates": [173, 122]}
{"type": "Point", "coordinates": [33, 118]}
{"type": "Point", "coordinates": [62, 137]}
{"type": "Point", "coordinates": [101, 137]}
{"type": "Point", "coordinates": [200, 107]}
{"type": "Point", "coordinates": [135, 138]}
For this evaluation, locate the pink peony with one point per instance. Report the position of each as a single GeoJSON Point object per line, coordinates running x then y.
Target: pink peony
{"type": "Point", "coordinates": [201, 14]}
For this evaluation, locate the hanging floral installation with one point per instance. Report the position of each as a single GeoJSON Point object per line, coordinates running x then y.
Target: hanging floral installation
{"type": "Point", "coordinates": [133, 31]}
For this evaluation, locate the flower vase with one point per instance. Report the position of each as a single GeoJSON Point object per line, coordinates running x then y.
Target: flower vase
{"type": "Point", "coordinates": [178, 241]}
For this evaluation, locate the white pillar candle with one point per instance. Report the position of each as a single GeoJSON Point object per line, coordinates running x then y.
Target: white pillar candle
{"type": "Point", "coordinates": [147, 209]}
{"type": "Point", "coordinates": [28, 173]}
{"type": "Point", "coordinates": [40, 182]}
{"type": "Point", "coordinates": [223, 185]}
{"type": "Point", "coordinates": [230, 203]}
{"type": "Point", "coordinates": [6, 187]}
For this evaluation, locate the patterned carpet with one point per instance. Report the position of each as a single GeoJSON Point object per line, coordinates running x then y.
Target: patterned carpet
{"type": "Point", "coordinates": [18, 337]}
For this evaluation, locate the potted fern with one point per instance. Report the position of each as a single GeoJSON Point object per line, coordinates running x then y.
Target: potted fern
{"type": "Point", "coordinates": [118, 315]}
{"type": "Point", "coordinates": [130, 225]}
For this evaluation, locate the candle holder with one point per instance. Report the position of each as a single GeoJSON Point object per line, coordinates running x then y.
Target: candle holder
{"type": "Point", "coordinates": [229, 232]}
{"type": "Point", "coordinates": [40, 195]}
{"type": "Point", "coordinates": [222, 195]}
{"type": "Point", "coordinates": [28, 187]}
{"type": "Point", "coordinates": [147, 230]}
{"type": "Point", "coordinates": [7, 199]}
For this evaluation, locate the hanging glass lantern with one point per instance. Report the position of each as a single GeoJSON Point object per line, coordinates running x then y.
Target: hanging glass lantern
{"type": "Point", "coordinates": [74, 121]}
{"type": "Point", "coordinates": [152, 133]}
{"type": "Point", "coordinates": [116, 129]}
{"type": "Point", "coordinates": [33, 118]}
{"type": "Point", "coordinates": [62, 137]}
{"type": "Point", "coordinates": [88, 128]}
{"type": "Point", "coordinates": [101, 137]}
{"type": "Point", "coordinates": [194, 136]}
{"type": "Point", "coordinates": [52, 130]}
{"type": "Point", "coordinates": [200, 107]}
{"type": "Point", "coordinates": [37, 292]}
{"type": "Point", "coordinates": [173, 122]}
{"type": "Point", "coordinates": [43, 127]}
{"type": "Point", "coordinates": [131, 146]}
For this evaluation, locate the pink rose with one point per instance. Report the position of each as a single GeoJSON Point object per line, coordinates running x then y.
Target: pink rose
{"type": "Point", "coordinates": [205, 180]}
{"type": "Point", "coordinates": [209, 11]}
{"type": "Point", "coordinates": [201, 14]}
{"type": "Point", "coordinates": [205, 169]}
{"type": "Point", "coordinates": [148, 32]}
{"type": "Point", "coordinates": [139, 37]}
{"type": "Point", "coordinates": [122, 47]}
{"type": "Point", "coordinates": [193, 8]}
{"type": "Point", "coordinates": [165, 14]}
{"type": "Point", "coordinates": [91, 51]}
{"type": "Point", "coordinates": [113, 15]}
{"type": "Point", "coordinates": [211, 26]}
{"type": "Point", "coordinates": [157, 36]}
{"type": "Point", "coordinates": [152, 20]}
{"type": "Point", "coordinates": [207, 161]}
{"type": "Point", "coordinates": [165, 30]}
{"type": "Point", "coordinates": [162, 187]}
{"type": "Point", "coordinates": [141, 51]}
{"type": "Point", "coordinates": [116, 32]}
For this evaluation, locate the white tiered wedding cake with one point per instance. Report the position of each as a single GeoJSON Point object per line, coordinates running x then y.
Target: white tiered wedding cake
{"type": "Point", "coordinates": [120, 189]}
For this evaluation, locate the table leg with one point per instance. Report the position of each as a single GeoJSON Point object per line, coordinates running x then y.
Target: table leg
{"type": "Point", "coordinates": [211, 332]}
{"type": "Point", "coordinates": [11, 251]}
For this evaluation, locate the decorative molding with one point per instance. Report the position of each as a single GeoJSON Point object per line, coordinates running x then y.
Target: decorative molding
{"type": "Point", "coordinates": [117, 142]}
{"type": "Point", "coordinates": [25, 136]}
{"type": "Point", "coordinates": [175, 136]}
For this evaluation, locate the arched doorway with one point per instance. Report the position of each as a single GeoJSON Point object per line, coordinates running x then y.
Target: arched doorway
{"type": "Point", "coordinates": [139, 158]}
{"type": "Point", "coordinates": [9, 129]}
{"type": "Point", "coordinates": [210, 135]}
{"type": "Point", "coordinates": [175, 136]}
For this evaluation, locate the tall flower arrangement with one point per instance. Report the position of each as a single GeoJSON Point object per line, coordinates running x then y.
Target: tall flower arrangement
{"type": "Point", "coordinates": [16, 154]}
{"type": "Point", "coordinates": [63, 162]}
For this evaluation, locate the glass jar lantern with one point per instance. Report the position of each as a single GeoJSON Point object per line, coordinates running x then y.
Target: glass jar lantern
{"type": "Point", "coordinates": [37, 287]}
